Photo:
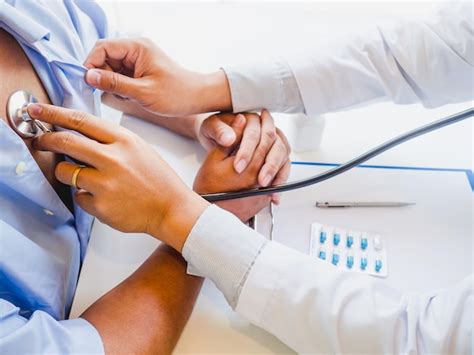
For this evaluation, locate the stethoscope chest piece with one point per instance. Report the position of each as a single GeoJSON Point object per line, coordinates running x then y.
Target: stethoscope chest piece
{"type": "Point", "coordinates": [18, 117]}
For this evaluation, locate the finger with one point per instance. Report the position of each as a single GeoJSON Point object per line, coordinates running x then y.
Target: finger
{"type": "Point", "coordinates": [73, 145]}
{"type": "Point", "coordinates": [250, 141]}
{"type": "Point", "coordinates": [281, 178]}
{"type": "Point", "coordinates": [115, 83]}
{"type": "Point", "coordinates": [274, 161]}
{"type": "Point", "coordinates": [267, 139]}
{"type": "Point", "coordinates": [111, 51]}
{"type": "Point", "coordinates": [79, 121]}
{"type": "Point", "coordinates": [237, 127]}
{"type": "Point", "coordinates": [85, 200]}
{"type": "Point", "coordinates": [284, 140]}
{"type": "Point", "coordinates": [87, 179]}
{"type": "Point", "coordinates": [215, 129]}
{"type": "Point", "coordinates": [283, 174]}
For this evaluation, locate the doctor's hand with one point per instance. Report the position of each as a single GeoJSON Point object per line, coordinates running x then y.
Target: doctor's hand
{"type": "Point", "coordinates": [126, 184]}
{"type": "Point", "coordinates": [218, 130]}
{"type": "Point", "coordinates": [138, 70]}
{"type": "Point", "coordinates": [217, 173]}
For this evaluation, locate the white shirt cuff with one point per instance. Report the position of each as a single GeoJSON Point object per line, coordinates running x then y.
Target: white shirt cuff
{"type": "Point", "coordinates": [223, 249]}
{"type": "Point", "coordinates": [269, 85]}
{"type": "Point", "coordinates": [84, 338]}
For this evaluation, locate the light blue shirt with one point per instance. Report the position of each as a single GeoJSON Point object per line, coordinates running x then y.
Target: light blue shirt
{"type": "Point", "coordinates": [42, 244]}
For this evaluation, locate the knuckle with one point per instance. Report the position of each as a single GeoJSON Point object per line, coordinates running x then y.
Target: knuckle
{"type": "Point", "coordinates": [63, 139]}
{"type": "Point", "coordinates": [113, 82]}
{"type": "Point", "coordinates": [78, 119]}
{"type": "Point", "coordinates": [253, 135]}
{"type": "Point", "coordinates": [271, 167]}
{"type": "Point", "coordinates": [270, 135]}
{"type": "Point", "coordinates": [144, 42]}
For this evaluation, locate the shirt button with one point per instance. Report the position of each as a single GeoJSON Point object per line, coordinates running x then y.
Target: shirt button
{"type": "Point", "coordinates": [20, 168]}
{"type": "Point", "coordinates": [48, 212]}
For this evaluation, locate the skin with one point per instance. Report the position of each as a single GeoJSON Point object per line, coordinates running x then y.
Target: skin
{"type": "Point", "coordinates": [147, 312]}
{"type": "Point", "coordinates": [137, 70]}
{"type": "Point", "coordinates": [160, 290]}
{"type": "Point", "coordinates": [126, 183]}
{"type": "Point", "coordinates": [17, 73]}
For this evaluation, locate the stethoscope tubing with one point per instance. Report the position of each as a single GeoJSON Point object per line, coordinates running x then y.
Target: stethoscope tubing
{"type": "Point", "coordinates": [433, 126]}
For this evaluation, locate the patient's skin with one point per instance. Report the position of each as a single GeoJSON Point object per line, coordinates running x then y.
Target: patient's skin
{"type": "Point", "coordinates": [17, 73]}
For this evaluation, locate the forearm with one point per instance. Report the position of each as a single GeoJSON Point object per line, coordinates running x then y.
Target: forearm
{"type": "Point", "coordinates": [184, 126]}
{"type": "Point", "coordinates": [148, 311]}
{"type": "Point", "coordinates": [314, 307]}
{"type": "Point", "coordinates": [384, 63]}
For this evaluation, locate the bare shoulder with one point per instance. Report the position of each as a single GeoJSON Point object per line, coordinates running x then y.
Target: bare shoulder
{"type": "Point", "coordinates": [16, 72]}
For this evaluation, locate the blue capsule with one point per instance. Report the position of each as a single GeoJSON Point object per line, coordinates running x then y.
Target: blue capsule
{"type": "Point", "coordinates": [350, 261]}
{"type": "Point", "coordinates": [322, 255]}
{"type": "Point", "coordinates": [363, 243]}
{"type": "Point", "coordinates": [349, 241]}
{"type": "Point", "coordinates": [378, 265]}
{"type": "Point", "coordinates": [322, 237]}
{"type": "Point", "coordinates": [336, 239]}
{"type": "Point", "coordinates": [363, 263]}
{"type": "Point", "coordinates": [335, 258]}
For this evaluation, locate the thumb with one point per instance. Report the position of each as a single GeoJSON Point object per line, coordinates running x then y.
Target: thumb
{"type": "Point", "coordinates": [237, 127]}
{"type": "Point", "coordinates": [112, 82]}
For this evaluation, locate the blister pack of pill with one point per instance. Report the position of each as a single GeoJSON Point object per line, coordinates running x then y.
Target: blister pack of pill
{"type": "Point", "coordinates": [351, 250]}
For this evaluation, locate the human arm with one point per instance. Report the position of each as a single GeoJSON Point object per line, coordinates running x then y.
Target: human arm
{"type": "Point", "coordinates": [314, 307]}
{"type": "Point", "coordinates": [412, 61]}
{"type": "Point", "coordinates": [216, 131]}
{"type": "Point", "coordinates": [145, 314]}
{"type": "Point", "coordinates": [131, 188]}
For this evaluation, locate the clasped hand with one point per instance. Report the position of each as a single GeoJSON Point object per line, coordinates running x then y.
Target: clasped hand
{"type": "Point", "coordinates": [127, 184]}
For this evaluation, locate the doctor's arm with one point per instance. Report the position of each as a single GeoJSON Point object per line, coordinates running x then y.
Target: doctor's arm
{"type": "Point", "coordinates": [314, 307]}
{"type": "Point", "coordinates": [305, 302]}
{"type": "Point", "coordinates": [427, 60]}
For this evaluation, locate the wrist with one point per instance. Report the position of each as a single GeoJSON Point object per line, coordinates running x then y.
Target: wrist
{"type": "Point", "coordinates": [179, 219]}
{"type": "Point", "coordinates": [214, 94]}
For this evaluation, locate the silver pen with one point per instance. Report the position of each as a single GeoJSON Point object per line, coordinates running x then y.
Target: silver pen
{"type": "Point", "coordinates": [339, 204]}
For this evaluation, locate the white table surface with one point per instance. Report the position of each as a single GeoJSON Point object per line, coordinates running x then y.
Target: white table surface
{"type": "Point", "coordinates": [205, 36]}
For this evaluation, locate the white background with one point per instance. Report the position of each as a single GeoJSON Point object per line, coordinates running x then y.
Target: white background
{"type": "Point", "coordinates": [205, 36]}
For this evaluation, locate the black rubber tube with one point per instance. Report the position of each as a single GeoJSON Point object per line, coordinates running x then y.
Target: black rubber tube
{"type": "Point", "coordinates": [457, 117]}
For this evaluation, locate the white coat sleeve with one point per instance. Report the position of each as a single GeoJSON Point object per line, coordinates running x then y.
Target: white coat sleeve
{"type": "Point", "coordinates": [426, 60]}
{"type": "Point", "coordinates": [314, 307]}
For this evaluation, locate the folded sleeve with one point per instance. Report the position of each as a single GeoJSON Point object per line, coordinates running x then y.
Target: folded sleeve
{"type": "Point", "coordinates": [428, 60]}
{"type": "Point", "coordinates": [42, 334]}
{"type": "Point", "coordinates": [266, 84]}
{"type": "Point", "coordinates": [223, 249]}
{"type": "Point", "coordinates": [314, 307]}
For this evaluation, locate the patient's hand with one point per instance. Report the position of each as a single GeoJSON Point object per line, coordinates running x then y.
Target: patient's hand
{"type": "Point", "coordinates": [217, 130]}
{"type": "Point", "coordinates": [217, 174]}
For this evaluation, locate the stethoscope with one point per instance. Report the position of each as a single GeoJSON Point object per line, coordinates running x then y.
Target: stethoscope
{"type": "Point", "coordinates": [18, 117]}
{"type": "Point", "coordinates": [27, 127]}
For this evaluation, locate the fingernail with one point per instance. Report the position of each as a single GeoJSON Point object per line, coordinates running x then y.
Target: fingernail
{"type": "Point", "coordinates": [240, 166]}
{"type": "Point", "coordinates": [276, 199]}
{"type": "Point", "coordinates": [34, 110]}
{"type": "Point", "coordinates": [266, 180]}
{"type": "Point", "coordinates": [240, 119]}
{"type": "Point", "coordinates": [226, 138]}
{"type": "Point", "coordinates": [93, 77]}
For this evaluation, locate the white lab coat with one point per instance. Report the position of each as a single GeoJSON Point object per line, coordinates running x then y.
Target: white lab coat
{"type": "Point", "coordinates": [309, 305]}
